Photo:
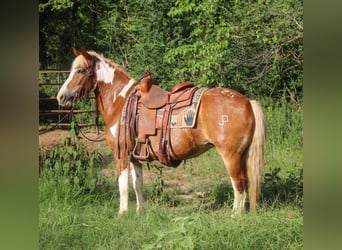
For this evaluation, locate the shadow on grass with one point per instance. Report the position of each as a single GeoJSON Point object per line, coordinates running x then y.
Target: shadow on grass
{"type": "Point", "coordinates": [276, 191]}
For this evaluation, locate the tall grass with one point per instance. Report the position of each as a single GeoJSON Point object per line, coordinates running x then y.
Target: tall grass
{"type": "Point", "coordinates": [192, 212]}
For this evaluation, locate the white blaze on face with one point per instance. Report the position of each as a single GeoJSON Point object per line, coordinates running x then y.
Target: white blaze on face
{"type": "Point", "coordinates": [105, 73]}
{"type": "Point", "coordinates": [65, 84]}
{"type": "Point", "coordinates": [124, 91]}
{"type": "Point", "coordinates": [68, 80]}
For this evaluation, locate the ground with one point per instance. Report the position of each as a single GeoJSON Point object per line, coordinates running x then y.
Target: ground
{"type": "Point", "coordinates": [50, 139]}
{"type": "Point", "coordinates": [47, 140]}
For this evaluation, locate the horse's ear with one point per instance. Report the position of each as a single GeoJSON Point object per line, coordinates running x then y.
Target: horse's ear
{"type": "Point", "coordinates": [76, 52]}
{"type": "Point", "coordinates": [85, 54]}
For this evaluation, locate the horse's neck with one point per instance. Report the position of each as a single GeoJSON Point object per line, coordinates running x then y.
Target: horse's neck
{"type": "Point", "coordinates": [111, 98]}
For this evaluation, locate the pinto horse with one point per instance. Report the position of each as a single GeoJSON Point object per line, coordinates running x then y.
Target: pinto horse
{"type": "Point", "coordinates": [226, 120]}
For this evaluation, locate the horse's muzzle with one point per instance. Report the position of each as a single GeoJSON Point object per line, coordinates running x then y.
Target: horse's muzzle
{"type": "Point", "coordinates": [65, 98]}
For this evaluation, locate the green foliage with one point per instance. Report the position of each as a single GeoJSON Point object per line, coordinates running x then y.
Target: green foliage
{"type": "Point", "coordinates": [252, 47]}
{"type": "Point", "coordinates": [278, 190]}
{"type": "Point", "coordinates": [71, 166]}
{"type": "Point", "coordinates": [56, 5]}
{"type": "Point", "coordinates": [255, 47]}
{"type": "Point", "coordinates": [177, 235]}
{"type": "Point", "coordinates": [156, 192]}
{"type": "Point", "coordinates": [284, 123]}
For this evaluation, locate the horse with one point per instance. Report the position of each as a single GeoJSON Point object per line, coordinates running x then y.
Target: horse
{"type": "Point", "coordinates": [226, 120]}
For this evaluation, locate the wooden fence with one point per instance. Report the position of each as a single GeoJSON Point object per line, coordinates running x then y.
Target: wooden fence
{"type": "Point", "coordinates": [50, 113]}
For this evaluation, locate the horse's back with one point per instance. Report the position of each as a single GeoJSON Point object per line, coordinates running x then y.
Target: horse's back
{"type": "Point", "coordinates": [226, 118]}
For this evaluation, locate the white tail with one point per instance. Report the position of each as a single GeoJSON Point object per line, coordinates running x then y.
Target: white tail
{"type": "Point", "coordinates": [255, 156]}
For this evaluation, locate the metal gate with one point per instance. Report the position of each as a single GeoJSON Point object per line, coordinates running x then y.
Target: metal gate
{"type": "Point", "coordinates": [53, 115]}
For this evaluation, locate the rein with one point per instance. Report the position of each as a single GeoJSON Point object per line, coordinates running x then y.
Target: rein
{"type": "Point", "coordinates": [86, 137]}
{"type": "Point", "coordinates": [76, 124]}
{"type": "Point", "coordinates": [58, 122]}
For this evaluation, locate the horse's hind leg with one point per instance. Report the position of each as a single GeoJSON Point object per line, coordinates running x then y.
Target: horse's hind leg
{"type": "Point", "coordinates": [237, 171]}
{"type": "Point", "coordinates": [137, 180]}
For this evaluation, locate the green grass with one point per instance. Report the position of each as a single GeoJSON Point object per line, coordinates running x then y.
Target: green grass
{"type": "Point", "coordinates": [96, 225]}
{"type": "Point", "coordinates": [192, 211]}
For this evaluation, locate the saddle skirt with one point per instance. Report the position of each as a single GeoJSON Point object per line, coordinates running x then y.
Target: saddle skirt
{"type": "Point", "coordinates": [146, 112]}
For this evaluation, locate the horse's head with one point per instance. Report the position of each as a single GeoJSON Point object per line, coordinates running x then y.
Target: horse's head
{"type": "Point", "coordinates": [81, 80]}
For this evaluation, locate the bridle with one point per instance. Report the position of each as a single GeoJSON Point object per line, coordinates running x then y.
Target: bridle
{"type": "Point", "coordinates": [83, 93]}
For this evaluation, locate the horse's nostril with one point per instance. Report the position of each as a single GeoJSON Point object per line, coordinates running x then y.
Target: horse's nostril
{"type": "Point", "coordinates": [60, 98]}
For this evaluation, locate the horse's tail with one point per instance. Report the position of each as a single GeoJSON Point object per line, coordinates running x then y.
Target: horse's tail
{"type": "Point", "coordinates": [255, 155]}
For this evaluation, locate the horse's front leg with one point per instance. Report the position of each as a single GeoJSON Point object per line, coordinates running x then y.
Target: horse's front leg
{"type": "Point", "coordinates": [137, 180]}
{"type": "Point", "coordinates": [123, 189]}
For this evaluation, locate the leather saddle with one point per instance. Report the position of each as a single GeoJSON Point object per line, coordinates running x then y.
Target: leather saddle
{"type": "Point", "coordinates": [151, 111]}
{"type": "Point", "coordinates": [154, 97]}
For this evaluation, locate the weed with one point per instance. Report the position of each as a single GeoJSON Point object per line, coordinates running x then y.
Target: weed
{"type": "Point", "coordinates": [156, 193]}
{"type": "Point", "coordinates": [177, 236]}
{"type": "Point", "coordinates": [70, 165]}
{"type": "Point", "coordinates": [283, 190]}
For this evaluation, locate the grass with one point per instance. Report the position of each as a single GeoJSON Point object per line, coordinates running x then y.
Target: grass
{"type": "Point", "coordinates": [96, 225]}
{"type": "Point", "coordinates": [192, 211]}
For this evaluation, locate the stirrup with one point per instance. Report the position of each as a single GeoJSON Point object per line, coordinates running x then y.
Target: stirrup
{"type": "Point", "coordinates": [137, 155]}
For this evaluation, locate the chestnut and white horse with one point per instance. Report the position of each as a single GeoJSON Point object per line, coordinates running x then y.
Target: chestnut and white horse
{"type": "Point", "coordinates": [226, 120]}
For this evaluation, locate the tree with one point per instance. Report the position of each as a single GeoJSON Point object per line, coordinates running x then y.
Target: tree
{"type": "Point", "coordinates": [255, 47]}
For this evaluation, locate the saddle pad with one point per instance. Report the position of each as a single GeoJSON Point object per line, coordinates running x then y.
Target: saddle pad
{"type": "Point", "coordinates": [186, 117]}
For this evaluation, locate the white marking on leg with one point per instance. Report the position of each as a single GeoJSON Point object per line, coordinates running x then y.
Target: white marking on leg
{"type": "Point", "coordinates": [137, 180]}
{"type": "Point", "coordinates": [124, 91]}
{"type": "Point", "coordinates": [224, 119]}
{"type": "Point", "coordinates": [123, 188]}
{"type": "Point", "coordinates": [105, 73]}
{"type": "Point", "coordinates": [239, 200]}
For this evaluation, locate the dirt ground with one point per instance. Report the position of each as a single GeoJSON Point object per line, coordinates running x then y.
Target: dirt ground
{"type": "Point", "coordinates": [49, 139]}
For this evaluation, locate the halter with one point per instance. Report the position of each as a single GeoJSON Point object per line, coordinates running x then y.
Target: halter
{"type": "Point", "coordinates": [82, 93]}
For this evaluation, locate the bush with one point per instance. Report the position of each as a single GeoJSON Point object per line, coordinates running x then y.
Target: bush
{"type": "Point", "coordinates": [71, 167]}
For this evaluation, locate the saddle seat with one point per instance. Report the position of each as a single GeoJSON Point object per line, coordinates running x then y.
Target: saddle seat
{"type": "Point", "coordinates": [154, 97]}
{"type": "Point", "coordinates": [181, 86]}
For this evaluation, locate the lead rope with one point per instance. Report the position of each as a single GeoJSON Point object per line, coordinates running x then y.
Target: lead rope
{"type": "Point", "coordinates": [96, 123]}
{"type": "Point", "coordinates": [58, 122]}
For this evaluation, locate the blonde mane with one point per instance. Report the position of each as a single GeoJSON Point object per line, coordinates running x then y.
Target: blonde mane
{"type": "Point", "coordinates": [109, 62]}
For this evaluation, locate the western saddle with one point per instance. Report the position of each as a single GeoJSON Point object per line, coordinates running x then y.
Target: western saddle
{"type": "Point", "coordinates": [148, 110]}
